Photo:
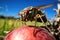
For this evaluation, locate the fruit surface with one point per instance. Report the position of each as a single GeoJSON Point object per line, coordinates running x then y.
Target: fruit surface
{"type": "Point", "coordinates": [29, 33]}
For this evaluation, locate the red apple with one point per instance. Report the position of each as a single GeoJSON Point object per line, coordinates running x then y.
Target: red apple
{"type": "Point", "coordinates": [29, 33]}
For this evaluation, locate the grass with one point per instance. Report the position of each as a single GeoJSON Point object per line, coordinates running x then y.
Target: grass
{"type": "Point", "coordinates": [10, 24]}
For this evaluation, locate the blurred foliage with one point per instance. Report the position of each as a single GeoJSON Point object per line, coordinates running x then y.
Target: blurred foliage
{"type": "Point", "coordinates": [8, 25]}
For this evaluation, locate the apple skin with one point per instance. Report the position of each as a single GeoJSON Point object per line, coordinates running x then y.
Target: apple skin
{"type": "Point", "coordinates": [29, 33]}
